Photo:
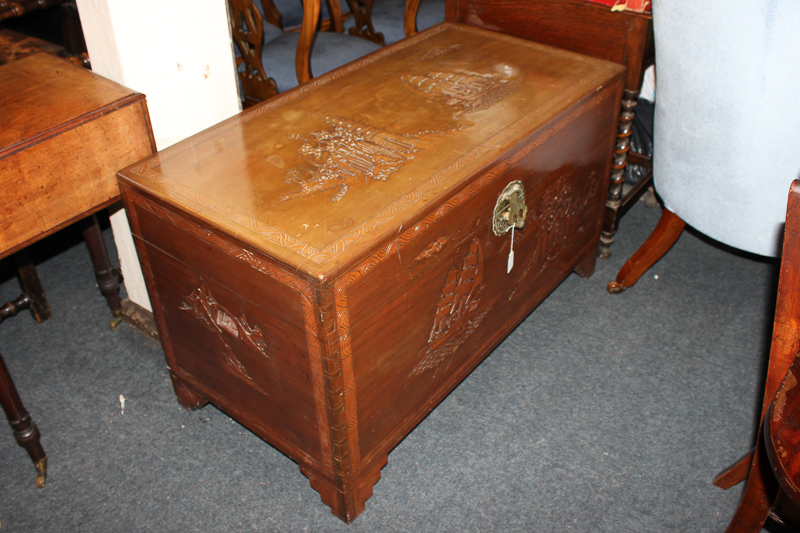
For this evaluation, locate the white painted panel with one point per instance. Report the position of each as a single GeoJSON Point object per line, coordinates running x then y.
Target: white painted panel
{"type": "Point", "coordinates": [179, 54]}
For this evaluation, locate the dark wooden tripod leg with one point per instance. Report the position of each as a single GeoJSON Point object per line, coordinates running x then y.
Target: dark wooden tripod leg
{"type": "Point", "coordinates": [29, 280]}
{"type": "Point", "coordinates": [25, 430]}
{"type": "Point", "coordinates": [667, 231]}
{"type": "Point", "coordinates": [108, 278]}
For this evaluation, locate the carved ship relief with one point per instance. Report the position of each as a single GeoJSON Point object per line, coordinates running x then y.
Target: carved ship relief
{"type": "Point", "coordinates": [347, 154]}
{"type": "Point", "coordinates": [431, 250]}
{"type": "Point", "coordinates": [558, 222]}
{"type": "Point", "coordinates": [433, 53]}
{"type": "Point", "coordinates": [457, 312]}
{"type": "Point", "coordinates": [228, 327]}
{"type": "Point", "coordinates": [469, 92]}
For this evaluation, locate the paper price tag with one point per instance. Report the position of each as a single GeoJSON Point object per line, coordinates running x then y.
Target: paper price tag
{"type": "Point", "coordinates": [511, 253]}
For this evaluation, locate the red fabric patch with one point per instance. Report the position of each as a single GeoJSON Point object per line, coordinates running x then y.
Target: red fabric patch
{"type": "Point", "coordinates": [637, 6]}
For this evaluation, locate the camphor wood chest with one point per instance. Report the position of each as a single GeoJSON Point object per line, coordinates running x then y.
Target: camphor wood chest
{"type": "Point", "coordinates": [327, 266]}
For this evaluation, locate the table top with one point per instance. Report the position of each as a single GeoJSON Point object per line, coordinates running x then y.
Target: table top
{"type": "Point", "coordinates": [40, 93]}
{"type": "Point", "coordinates": [64, 132]}
{"type": "Point", "coordinates": [322, 172]}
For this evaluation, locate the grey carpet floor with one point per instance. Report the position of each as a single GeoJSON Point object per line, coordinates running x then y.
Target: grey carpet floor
{"type": "Point", "coordinates": [599, 413]}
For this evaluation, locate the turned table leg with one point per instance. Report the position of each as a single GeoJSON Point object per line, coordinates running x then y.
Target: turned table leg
{"type": "Point", "coordinates": [25, 430]}
{"type": "Point", "coordinates": [108, 278]}
{"type": "Point", "coordinates": [614, 199]}
{"type": "Point", "coordinates": [31, 286]}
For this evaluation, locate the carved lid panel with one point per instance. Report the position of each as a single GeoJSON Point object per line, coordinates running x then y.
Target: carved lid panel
{"type": "Point", "coordinates": [321, 173]}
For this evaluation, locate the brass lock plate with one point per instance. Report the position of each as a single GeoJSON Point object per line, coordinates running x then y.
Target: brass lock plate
{"type": "Point", "coordinates": [510, 209]}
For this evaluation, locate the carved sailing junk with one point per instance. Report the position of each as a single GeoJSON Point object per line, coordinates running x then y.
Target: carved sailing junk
{"type": "Point", "coordinates": [217, 318]}
{"type": "Point", "coordinates": [555, 220]}
{"type": "Point", "coordinates": [456, 315]}
{"type": "Point", "coordinates": [468, 91]}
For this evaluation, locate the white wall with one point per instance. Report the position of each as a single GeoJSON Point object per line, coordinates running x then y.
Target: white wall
{"type": "Point", "coordinates": [179, 54]}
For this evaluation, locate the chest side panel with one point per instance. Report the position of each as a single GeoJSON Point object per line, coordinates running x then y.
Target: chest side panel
{"type": "Point", "coordinates": [425, 310]}
{"type": "Point", "coordinates": [238, 327]}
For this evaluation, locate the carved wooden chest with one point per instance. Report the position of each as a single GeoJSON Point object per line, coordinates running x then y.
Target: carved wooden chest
{"type": "Point", "coordinates": [327, 266]}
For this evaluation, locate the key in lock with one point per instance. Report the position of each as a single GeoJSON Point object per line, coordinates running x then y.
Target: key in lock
{"type": "Point", "coordinates": [510, 213]}
{"type": "Point", "coordinates": [510, 209]}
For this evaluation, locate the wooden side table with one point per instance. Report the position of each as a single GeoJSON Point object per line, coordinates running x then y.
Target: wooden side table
{"type": "Point", "coordinates": [64, 132]}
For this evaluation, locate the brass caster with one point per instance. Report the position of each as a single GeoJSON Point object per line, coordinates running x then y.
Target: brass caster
{"type": "Point", "coordinates": [615, 288]}
{"type": "Point", "coordinates": [41, 473]}
{"type": "Point", "coordinates": [114, 325]}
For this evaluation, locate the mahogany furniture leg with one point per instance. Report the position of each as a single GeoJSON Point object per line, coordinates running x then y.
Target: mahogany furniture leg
{"type": "Point", "coordinates": [614, 199]}
{"type": "Point", "coordinates": [108, 278]}
{"type": "Point", "coordinates": [667, 231]}
{"type": "Point", "coordinates": [31, 286]}
{"type": "Point", "coordinates": [762, 490]}
{"type": "Point", "coordinates": [736, 473]}
{"type": "Point", "coordinates": [759, 495]}
{"type": "Point", "coordinates": [25, 430]}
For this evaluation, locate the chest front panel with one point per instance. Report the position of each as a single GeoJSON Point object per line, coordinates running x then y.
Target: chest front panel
{"type": "Point", "coordinates": [420, 313]}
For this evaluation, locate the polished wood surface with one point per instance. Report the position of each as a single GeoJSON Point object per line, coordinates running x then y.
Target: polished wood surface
{"type": "Point", "coordinates": [623, 37]}
{"type": "Point", "coordinates": [327, 266]}
{"type": "Point", "coordinates": [782, 433]}
{"type": "Point", "coordinates": [762, 490]}
{"type": "Point", "coordinates": [64, 132]}
{"type": "Point", "coordinates": [15, 46]}
{"type": "Point", "coordinates": [351, 200]}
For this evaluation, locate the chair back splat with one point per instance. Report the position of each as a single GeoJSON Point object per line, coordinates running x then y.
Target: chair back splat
{"type": "Point", "coordinates": [247, 28]}
{"type": "Point", "coordinates": [271, 48]}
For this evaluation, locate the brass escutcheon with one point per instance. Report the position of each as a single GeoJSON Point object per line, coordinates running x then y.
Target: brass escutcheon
{"type": "Point", "coordinates": [510, 209]}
